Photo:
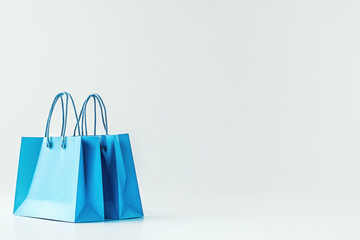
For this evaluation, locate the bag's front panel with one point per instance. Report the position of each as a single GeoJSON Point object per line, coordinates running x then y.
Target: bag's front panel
{"type": "Point", "coordinates": [53, 189]}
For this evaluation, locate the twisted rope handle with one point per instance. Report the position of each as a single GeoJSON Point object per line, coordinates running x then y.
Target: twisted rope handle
{"type": "Point", "coordinates": [64, 118]}
{"type": "Point", "coordinates": [82, 115]}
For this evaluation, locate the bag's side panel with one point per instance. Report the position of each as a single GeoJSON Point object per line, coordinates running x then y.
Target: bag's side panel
{"type": "Point", "coordinates": [81, 189]}
{"type": "Point", "coordinates": [53, 191]}
{"type": "Point", "coordinates": [120, 177]}
{"type": "Point", "coordinates": [29, 154]}
{"type": "Point", "coordinates": [131, 194]}
{"type": "Point", "coordinates": [110, 179]}
{"type": "Point", "coordinates": [90, 202]}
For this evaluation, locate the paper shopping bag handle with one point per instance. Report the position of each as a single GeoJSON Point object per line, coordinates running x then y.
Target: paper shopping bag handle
{"type": "Point", "coordinates": [64, 118]}
{"type": "Point", "coordinates": [82, 115]}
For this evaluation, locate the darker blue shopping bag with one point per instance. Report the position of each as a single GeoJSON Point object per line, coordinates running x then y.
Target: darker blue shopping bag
{"type": "Point", "coordinates": [60, 178]}
{"type": "Point", "coordinates": [121, 191]}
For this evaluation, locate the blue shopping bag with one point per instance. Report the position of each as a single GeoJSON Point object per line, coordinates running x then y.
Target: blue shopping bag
{"type": "Point", "coordinates": [60, 178]}
{"type": "Point", "coordinates": [121, 191]}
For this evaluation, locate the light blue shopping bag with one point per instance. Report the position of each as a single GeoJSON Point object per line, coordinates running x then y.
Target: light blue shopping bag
{"type": "Point", "coordinates": [121, 191]}
{"type": "Point", "coordinates": [60, 178]}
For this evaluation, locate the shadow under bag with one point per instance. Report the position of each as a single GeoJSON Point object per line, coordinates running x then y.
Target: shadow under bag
{"type": "Point", "coordinates": [120, 186]}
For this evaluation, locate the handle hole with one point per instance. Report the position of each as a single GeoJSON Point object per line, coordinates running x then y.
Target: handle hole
{"type": "Point", "coordinates": [49, 144]}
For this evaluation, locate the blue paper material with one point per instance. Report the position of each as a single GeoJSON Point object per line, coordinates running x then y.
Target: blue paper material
{"type": "Point", "coordinates": [60, 184]}
{"type": "Point", "coordinates": [78, 178]}
{"type": "Point", "coordinates": [121, 192]}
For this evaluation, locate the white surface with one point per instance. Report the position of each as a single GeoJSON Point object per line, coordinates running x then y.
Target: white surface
{"type": "Point", "coordinates": [244, 116]}
{"type": "Point", "coordinates": [238, 218]}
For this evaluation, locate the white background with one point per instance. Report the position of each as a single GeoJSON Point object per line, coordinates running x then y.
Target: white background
{"type": "Point", "coordinates": [244, 116]}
